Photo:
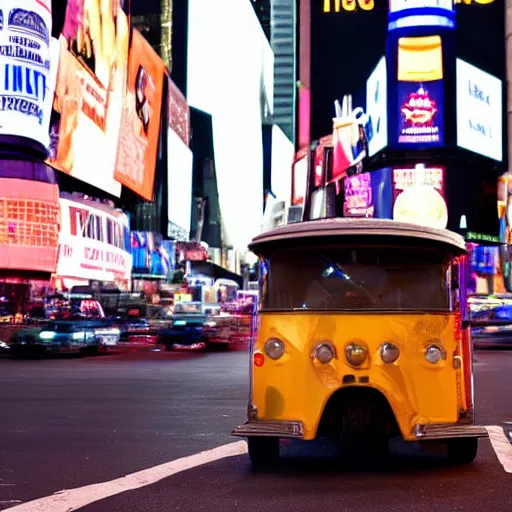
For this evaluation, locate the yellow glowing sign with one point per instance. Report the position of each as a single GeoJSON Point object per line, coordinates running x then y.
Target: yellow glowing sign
{"type": "Point", "coordinates": [469, 2]}
{"type": "Point", "coordinates": [348, 5]}
{"type": "Point", "coordinates": [369, 5]}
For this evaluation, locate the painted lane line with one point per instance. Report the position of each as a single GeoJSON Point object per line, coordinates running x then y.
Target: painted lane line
{"type": "Point", "coordinates": [501, 446]}
{"type": "Point", "coordinates": [74, 499]}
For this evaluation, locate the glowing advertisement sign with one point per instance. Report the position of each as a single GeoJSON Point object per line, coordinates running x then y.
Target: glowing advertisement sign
{"type": "Point", "coordinates": [93, 242]}
{"type": "Point", "coordinates": [358, 196]}
{"type": "Point", "coordinates": [405, 5]}
{"type": "Point", "coordinates": [421, 113]}
{"type": "Point", "coordinates": [26, 90]}
{"type": "Point", "coordinates": [479, 111]}
{"type": "Point", "coordinates": [377, 108]}
{"type": "Point", "coordinates": [419, 197]}
{"type": "Point", "coordinates": [348, 5]}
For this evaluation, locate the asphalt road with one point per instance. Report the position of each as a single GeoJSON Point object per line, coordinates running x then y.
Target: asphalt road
{"type": "Point", "coordinates": [67, 423]}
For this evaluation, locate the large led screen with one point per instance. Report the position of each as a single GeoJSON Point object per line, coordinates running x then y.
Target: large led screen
{"type": "Point", "coordinates": [179, 172]}
{"type": "Point", "coordinates": [229, 75]}
{"type": "Point", "coordinates": [91, 83]}
{"type": "Point", "coordinates": [479, 111]}
{"type": "Point", "coordinates": [26, 60]}
{"type": "Point", "coordinates": [377, 108]}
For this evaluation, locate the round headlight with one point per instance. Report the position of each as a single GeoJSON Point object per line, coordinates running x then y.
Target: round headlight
{"type": "Point", "coordinates": [389, 353]}
{"type": "Point", "coordinates": [274, 348]}
{"type": "Point", "coordinates": [434, 354]}
{"type": "Point", "coordinates": [324, 353]}
{"type": "Point", "coordinates": [355, 354]}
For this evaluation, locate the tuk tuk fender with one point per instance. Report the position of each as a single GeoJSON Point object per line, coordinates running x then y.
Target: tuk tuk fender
{"type": "Point", "coordinates": [290, 394]}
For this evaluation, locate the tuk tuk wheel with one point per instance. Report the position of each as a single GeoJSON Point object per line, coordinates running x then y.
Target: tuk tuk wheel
{"type": "Point", "coordinates": [463, 451]}
{"type": "Point", "coordinates": [263, 451]}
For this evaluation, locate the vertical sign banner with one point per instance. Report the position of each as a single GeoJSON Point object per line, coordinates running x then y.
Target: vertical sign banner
{"type": "Point", "coordinates": [91, 82]}
{"type": "Point", "coordinates": [25, 82]}
{"type": "Point", "coordinates": [140, 127]}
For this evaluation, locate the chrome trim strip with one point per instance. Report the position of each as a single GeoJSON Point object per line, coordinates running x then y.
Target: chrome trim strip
{"type": "Point", "coordinates": [448, 431]}
{"type": "Point", "coordinates": [262, 428]}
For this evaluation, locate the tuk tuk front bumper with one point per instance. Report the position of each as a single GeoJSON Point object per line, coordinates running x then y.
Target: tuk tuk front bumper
{"type": "Point", "coordinates": [264, 428]}
{"type": "Point", "coordinates": [295, 430]}
{"type": "Point", "coordinates": [448, 431]}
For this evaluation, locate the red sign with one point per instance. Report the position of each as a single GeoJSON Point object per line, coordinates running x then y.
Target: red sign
{"type": "Point", "coordinates": [29, 225]}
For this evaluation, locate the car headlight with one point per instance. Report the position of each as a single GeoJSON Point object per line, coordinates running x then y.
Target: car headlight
{"type": "Point", "coordinates": [355, 354]}
{"type": "Point", "coordinates": [210, 324]}
{"type": "Point", "coordinates": [389, 352]}
{"type": "Point", "coordinates": [47, 335]}
{"type": "Point", "coordinates": [434, 353]}
{"type": "Point", "coordinates": [78, 335]}
{"type": "Point", "coordinates": [324, 353]}
{"type": "Point", "coordinates": [274, 348]}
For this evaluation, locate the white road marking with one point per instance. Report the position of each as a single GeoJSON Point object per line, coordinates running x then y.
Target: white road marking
{"type": "Point", "coordinates": [74, 499]}
{"type": "Point", "coordinates": [502, 446]}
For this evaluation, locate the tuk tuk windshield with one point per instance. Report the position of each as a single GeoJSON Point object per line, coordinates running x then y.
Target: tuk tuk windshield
{"type": "Point", "coordinates": [365, 278]}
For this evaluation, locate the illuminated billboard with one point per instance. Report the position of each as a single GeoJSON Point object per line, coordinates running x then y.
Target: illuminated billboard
{"type": "Point", "coordinates": [91, 83]}
{"type": "Point", "coordinates": [28, 55]}
{"type": "Point", "coordinates": [93, 242]}
{"type": "Point", "coordinates": [419, 196]}
{"type": "Point", "coordinates": [140, 122]}
{"type": "Point", "coordinates": [479, 111]}
{"type": "Point", "coordinates": [29, 225]}
{"type": "Point", "coordinates": [420, 92]}
{"type": "Point", "coordinates": [377, 108]}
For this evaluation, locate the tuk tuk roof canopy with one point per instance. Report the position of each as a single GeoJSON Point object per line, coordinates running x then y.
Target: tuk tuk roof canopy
{"type": "Point", "coordinates": [343, 227]}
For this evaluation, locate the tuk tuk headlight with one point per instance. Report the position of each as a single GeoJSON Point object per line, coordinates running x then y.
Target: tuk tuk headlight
{"type": "Point", "coordinates": [324, 353]}
{"type": "Point", "coordinates": [434, 354]}
{"type": "Point", "coordinates": [389, 353]}
{"type": "Point", "coordinates": [274, 348]}
{"type": "Point", "coordinates": [355, 354]}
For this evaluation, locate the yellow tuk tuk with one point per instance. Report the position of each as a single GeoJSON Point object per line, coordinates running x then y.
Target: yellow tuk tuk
{"type": "Point", "coordinates": [361, 336]}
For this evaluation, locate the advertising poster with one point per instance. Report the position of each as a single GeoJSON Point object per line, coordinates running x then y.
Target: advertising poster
{"type": "Point", "coordinates": [419, 196]}
{"type": "Point", "coordinates": [152, 255]}
{"type": "Point", "coordinates": [141, 112]}
{"type": "Point", "coordinates": [93, 242]}
{"type": "Point", "coordinates": [91, 83]}
{"type": "Point", "coordinates": [421, 113]}
{"type": "Point", "coordinates": [358, 196]}
{"type": "Point", "coordinates": [25, 62]}
{"type": "Point", "coordinates": [479, 111]}
{"type": "Point", "coordinates": [377, 108]}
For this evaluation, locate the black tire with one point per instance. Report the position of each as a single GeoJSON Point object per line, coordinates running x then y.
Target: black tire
{"type": "Point", "coordinates": [462, 451]}
{"type": "Point", "coordinates": [263, 452]}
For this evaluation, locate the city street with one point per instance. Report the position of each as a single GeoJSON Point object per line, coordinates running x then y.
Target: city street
{"type": "Point", "coordinates": [67, 423]}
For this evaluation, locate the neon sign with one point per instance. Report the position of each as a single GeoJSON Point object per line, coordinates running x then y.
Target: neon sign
{"type": "Point", "coordinates": [348, 5]}
{"type": "Point", "coordinates": [469, 2]}
{"type": "Point", "coordinates": [420, 113]}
